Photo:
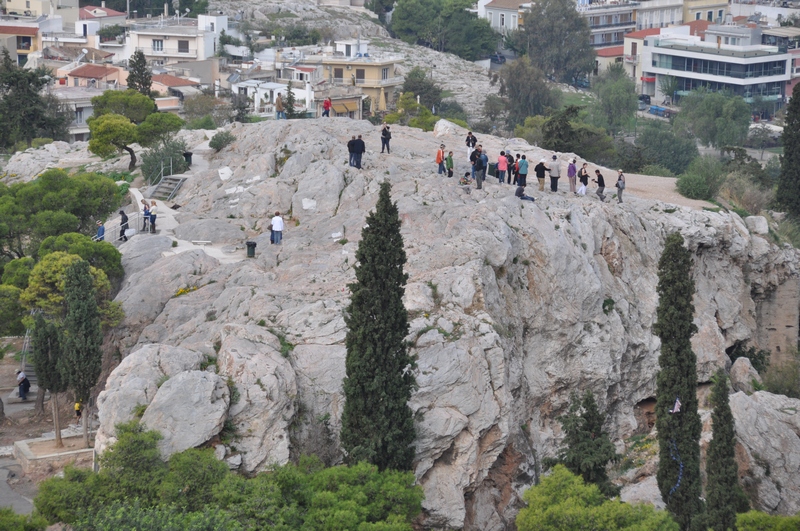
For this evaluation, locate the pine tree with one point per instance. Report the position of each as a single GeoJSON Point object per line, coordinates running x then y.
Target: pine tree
{"type": "Point", "coordinates": [46, 355]}
{"type": "Point", "coordinates": [724, 496]}
{"type": "Point", "coordinates": [82, 337]}
{"type": "Point", "coordinates": [678, 425]}
{"type": "Point", "coordinates": [290, 103]}
{"type": "Point", "coordinates": [789, 180]}
{"type": "Point", "coordinates": [139, 75]}
{"type": "Point", "coordinates": [586, 447]}
{"type": "Point", "coordinates": [377, 423]}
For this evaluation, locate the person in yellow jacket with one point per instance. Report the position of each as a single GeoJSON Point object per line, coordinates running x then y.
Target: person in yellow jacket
{"type": "Point", "coordinates": [78, 408]}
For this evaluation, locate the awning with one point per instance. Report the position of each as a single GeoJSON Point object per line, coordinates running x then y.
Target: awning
{"type": "Point", "coordinates": [648, 79]}
{"type": "Point", "coordinates": [340, 108]}
{"type": "Point", "coordinates": [351, 106]}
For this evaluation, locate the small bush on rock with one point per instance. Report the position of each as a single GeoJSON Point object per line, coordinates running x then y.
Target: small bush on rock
{"type": "Point", "coordinates": [703, 179]}
{"type": "Point", "coordinates": [206, 122]}
{"type": "Point", "coordinates": [171, 154]}
{"type": "Point", "coordinates": [221, 140]}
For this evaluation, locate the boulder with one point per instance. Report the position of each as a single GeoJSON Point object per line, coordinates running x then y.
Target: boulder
{"type": "Point", "coordinates": [757, 224]}
{"type": "Point", "coordinates": [743, 375]}
{"type": "Point", "coordinates": [188, 410]}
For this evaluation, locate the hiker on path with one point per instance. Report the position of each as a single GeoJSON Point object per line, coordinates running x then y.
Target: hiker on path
{"type": "Point", "coordinates": [351, 149]}
{"type": "Point", "coordinates": [572, 172]}
{"type": "Point", "coordinates": [386, 135]}
{"type": "Point", "coordinates": [101, 232]}
{"type": "Point", "coordinates": [277, 228]}
{"type": "Point", "coordinates": [123, 225]}
{"type": "Point", "coordinates": [521, 194]}
{"type": "Point", "coordinates": [540, 170]}
{"type": "Point", "coordinates": [555, 173]}
{"type": "Point", "coordinates": [280, 114]}
{"type": "Point", "coordinates": [359, 148]}
{"type": "Point", "coordinates": [78, 408]}
{"type": "Point", "coordinates": [145, 215]}
{"type": "Point", "coordinates": [601, 185]}
{"type": "Point", "coordinates": [153, 214]}
{"type": "Point", "coordinates": [478, 169]}
{"type": "Point", "coordinates": [440, 160]}
{"type": "Point", "coordinates": [471, 143]}
{"type": "Point", "coordinates": [620, 185]}
{"type": "Point", "coordinates": [24, 385]}
{"type": "Point", "coordinates": [448, 164]}
{"type": "Point", "coordinates": [502, 167]}
{"type": "Point", "coordinates": [583, 176]}
{"type": "Point", "coordinates": [326, 107]}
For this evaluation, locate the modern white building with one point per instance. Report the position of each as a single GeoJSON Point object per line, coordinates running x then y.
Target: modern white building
{"type": "Point", "coordinates": [170, 40]}
{"type": "Point", "coordinates": [659, 14]}
{"type": "Point", "coordinates": [730, 58]}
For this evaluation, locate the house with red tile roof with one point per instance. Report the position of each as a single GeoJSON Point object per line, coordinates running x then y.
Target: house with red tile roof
{"type": "Point", "coordinates": [93, 75]}
{"type": "Point", "coordinates": [607, 57]}
{"type": "Point", "coordinates": [103, 15]}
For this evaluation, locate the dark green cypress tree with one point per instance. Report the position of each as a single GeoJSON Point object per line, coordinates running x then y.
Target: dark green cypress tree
{"type": "Point", "coordinates": [377, 424]}
{"type": "Point", "coordinates": [724, 495]}
{"type": "Point", "coordinates": [586, 448]}
{"type": "Point", "coordinates": [789, 180]}
{"type": "Point", "coordinates": [140, 78]}
{"type": "Point", "coordinates": [82, 337]}
{"type": "Point", "coordinates": [678, 432]}
{"type": "Point", "coordinates": [46, 353]}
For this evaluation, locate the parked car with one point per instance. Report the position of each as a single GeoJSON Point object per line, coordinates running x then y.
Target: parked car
{"type": "Point", "coordinates": [498, 58]}
{"type": "Point", "coordinates": [644, 98]}
{"type": "Point", "coordinates": [582, 82]}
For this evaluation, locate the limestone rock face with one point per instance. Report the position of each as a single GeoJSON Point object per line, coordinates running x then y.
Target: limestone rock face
{"type": "Point", "coordinates": [768, 428]}
{"type": "Point", "coordinates": [188, 410]}
{"type": "Point", "coordinates": [743, 375]}
{"type": "Point", "coordinates": [513, 305]}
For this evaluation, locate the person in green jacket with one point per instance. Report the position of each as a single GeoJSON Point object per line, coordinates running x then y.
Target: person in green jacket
{"type": "Point", "coordinates": [448, 164]}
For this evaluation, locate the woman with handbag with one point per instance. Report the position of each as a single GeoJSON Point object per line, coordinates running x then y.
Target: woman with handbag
{"type": "Point", "coordinates": [620, 185]}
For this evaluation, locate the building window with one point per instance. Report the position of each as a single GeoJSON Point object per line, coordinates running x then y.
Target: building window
{"type": "Point", "coordinates": [697, 16]}
{"type": "Point", "coordinates": [720, 14]}
{"type": "Point", "coordinates": [75, 82]}
{"type": "Point", "coordinates": [385, 73]}
{"type": "Point", "coordinates": [79, 116]}
{"type": "Point", "coordinates": [183, 46]}
{"type": "Point", "coordinates": [489, 17]}
{"type": "Point", "coordinates": [359, 75]}
{"type": "Point", "coordinates": [338, 74]}
{"type": "Point", "coordinates": [513, 21]}
{"type": "Point", "coordinates": [710, 16]}
{"type": "Point", "coordinates": [158, 45]}
{"type": "Point", "coordinates": [502, 19]}
{"type": "Point", "coordinates": [211, 26]}
{"type": "Point", "coordinates": [27, 4]}
{"type": "Point", "coordinates": [727, 40]}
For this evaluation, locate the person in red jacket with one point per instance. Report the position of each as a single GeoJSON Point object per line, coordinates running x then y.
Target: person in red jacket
{"type": "Point", "coordinates": [326, 107]}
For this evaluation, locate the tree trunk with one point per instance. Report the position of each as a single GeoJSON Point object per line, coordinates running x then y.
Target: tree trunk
{"type": "Point", "coordinates": [56, 419]}
{"type": "Point", "coordinates": [38, 409]}
{"type": "Point", "coordinates": [132, 165]}
{"type": "Point", "coordinates": [85, 422]}
{"type": "Point", "coordinates": [2, 412]}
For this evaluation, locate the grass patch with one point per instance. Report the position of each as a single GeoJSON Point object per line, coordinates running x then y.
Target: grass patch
{"type": "Point", "coordinates": [286, 346]}
{"type": "Point", "coordinates": [138, 410]}
{"type": "Point", "coordinates": [608, 306]}
{"type": "Point", "coordinates": [580, 99]}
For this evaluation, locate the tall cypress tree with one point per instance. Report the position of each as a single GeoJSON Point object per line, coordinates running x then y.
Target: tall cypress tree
{"type": "Point", "coordinates": [377, 424]}
{"type": "Point", "coordinates": [678, 424]}
{"type": "Point", "coordinates": [81, 361]}
{"type": "Point", "coordinates": [46, 355]}
{"type": "Point", "coordinates": [789, 180]}
{"type": "Point", "coordinates": [724, 496]}
{"type": "Point", "coordinates": [140, 78]}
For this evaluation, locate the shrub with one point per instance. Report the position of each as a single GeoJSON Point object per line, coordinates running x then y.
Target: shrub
{"type": "Point", "coordinates": [789, 232]}
{"type": "Point", "coordinates": [655, 169]}
{"type": "Point", "coordinates": [692, 186]}
{"type": "Point", "coordinates": [171, 150]}
{"type": "Point", "coordinates": [758, 521]}
{"type": "Point", "coordinates": [759, 359]}
{"type": "Point", "coordinates": [206, 122]}
{"type": "Point", "coordinates": [784, 378]}
{"type": "Point", "coordinates": [221, 140]}
{"type": "Point", "coordinates": [703, 179]}
{"type": "Point", "coordinates": [742, 191]}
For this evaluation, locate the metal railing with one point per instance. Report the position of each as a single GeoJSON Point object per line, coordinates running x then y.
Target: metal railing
{"type": "Point", "coordinates": [112, 234]}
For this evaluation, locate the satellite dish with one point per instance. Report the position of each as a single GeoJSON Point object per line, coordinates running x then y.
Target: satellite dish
{"type": "Point", "coordinates": [84, 51]}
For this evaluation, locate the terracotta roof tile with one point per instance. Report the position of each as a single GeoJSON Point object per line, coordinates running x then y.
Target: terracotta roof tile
{"type": "Point", "coordinates": [614, 51]}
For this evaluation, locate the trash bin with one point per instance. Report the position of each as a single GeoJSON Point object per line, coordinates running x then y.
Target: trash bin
{"type": "Point", "coordinates": [187, 156]}
{"type": "Point", "coordinates": [251, 249]}
{"type": "Point", "coordinates": [493, 169]}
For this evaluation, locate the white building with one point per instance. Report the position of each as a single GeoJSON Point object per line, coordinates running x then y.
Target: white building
{"type": "Point", "coordinates": [659, 14]}
{"type": "Point", "coordinates": [503, 15]}
{"type": "Point", "coordinates": [170, 40]}
{"type": "Point", "coordinates": [609, 20]}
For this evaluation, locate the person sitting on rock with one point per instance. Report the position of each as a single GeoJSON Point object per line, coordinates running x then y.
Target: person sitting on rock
{"type": "Point", "coordinates": [521, 193]}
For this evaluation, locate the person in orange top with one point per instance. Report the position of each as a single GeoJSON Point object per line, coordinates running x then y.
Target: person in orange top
{"type": "Point", "coordinates": [440, 160]}
{"type": "Point", "coordinates": [326, 107]}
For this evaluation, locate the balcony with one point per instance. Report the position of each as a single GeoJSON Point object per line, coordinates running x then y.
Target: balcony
{"type": "Point", "coordinates": [25, 44]}
{"type": "Point", "coordinates": [167, 51]}
{"type": "Point", "coordinates": [391, 81]}
{"type": "Point", "coordinates": [631, 23]}
{"type": "Point", "coordinates": [632, 59]}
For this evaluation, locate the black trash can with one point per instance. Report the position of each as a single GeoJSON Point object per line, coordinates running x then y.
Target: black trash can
{"type": "Point", "coordinates": [251, 249]}
{"type": "Point", "coordinates": [187, 156]}
{"type": "Point", "coordinates": [493, 169]}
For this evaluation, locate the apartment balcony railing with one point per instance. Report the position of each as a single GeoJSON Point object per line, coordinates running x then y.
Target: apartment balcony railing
{"type": "Point", "coordinates": [397, 80]}
{"type": "Point", "coordinates": [20, 13]}
{"type": "Point", "coordinates": [149, 50]}
{"type": "Point", "coordinates": [608, 43]}
{"type": "Point", "coordinates": [612, 24]}
{"type": "Point", "coordinates": [632, 59]}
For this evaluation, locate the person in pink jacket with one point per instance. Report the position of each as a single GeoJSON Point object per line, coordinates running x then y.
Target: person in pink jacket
{"type": "Point", "coordinates": [502, 167]}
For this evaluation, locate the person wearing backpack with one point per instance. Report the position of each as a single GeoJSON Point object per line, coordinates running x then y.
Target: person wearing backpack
{"type": "Point", "coordinates": [620, 185]}
{"type": "Point", "coordinates": [440, 160]}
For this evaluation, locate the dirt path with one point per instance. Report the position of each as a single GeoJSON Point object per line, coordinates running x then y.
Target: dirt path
{"type": "Point", "coordinates": [656, 188]}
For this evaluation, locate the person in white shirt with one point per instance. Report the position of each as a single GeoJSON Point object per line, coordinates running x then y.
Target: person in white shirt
{"type": "Point", "coordinates": [277, 228]}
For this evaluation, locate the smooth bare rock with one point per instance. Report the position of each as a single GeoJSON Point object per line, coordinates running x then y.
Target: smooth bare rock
{"type": "Point", "coordinates": [140, 253]}
{"type": "Point", "coordinates": [213, 230]}
{"type": "Point", "coordinates": [757, 224]}
{"type": "Point", "coordinates": [188, 410]}
{"type": "Point", "coordinates": [768, 430]}
{"type": "Point", "coordinates": [743, 375]}
{"type": "Point", "coordinates": [135, 382]}
{"type": "Point", "coordinates": [645, 491]}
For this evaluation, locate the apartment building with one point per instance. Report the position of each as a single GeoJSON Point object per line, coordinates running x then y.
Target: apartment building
{"type": "Point", "coordinates": [609, 20]}
{"type": "Point", "coordinates": [659, 14]}
{"type": "Point", "coordinates": [31, 10]}
{"type": "Point", "coordinates": [710, 10]}
{"type": "Point", "coordinates": [23, 39]}
{"type": "Point", "coordinates": [79, 100]}
{"type": "Point", "coordinates": [786, 38]}
{"type": "Point", "coordinates": [503, 15]}
{"type": "Point", "coordinates": [172, 40]}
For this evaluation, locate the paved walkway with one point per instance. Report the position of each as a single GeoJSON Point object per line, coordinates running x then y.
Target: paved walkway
{"type": "Point", "coordinates": [8, 497]}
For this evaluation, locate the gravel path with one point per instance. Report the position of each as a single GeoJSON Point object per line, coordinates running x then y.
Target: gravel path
{"type": "Point", "coordinates": [656, 188]}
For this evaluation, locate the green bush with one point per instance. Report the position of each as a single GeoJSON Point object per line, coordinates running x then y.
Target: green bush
{"type": "Point", "coordinates": [10, 521]}
{"type": "Point", "coordinates": [206, 122]}
{"type": "Point", "coordinates": [702, 179]}
{"type": "Point", "coordinates": [693, 186]}
{"type": "Point", "coordinates": [758, 521]}
{"type": "Point", "coordinates": [221, 140]}
{"type": "Point", "coordinates": [132, 516]}
{"type": "Point", "coordinates": [171, 150]}
{"type": "Point", "coordinates": [655, 169]}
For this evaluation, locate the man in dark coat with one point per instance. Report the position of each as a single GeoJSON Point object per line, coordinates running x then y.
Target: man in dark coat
{"type": "Point", "coordinates": [352, 150]}
{"type": "Point", "coordinates": [359, 148]}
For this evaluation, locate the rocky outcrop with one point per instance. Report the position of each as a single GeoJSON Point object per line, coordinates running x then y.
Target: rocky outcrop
{"type": "Point", "coordinates": [743, 376]}
{"type": "Point", "coordinates": [513, 305]}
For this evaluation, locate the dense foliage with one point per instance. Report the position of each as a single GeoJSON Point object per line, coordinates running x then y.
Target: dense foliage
{"type": "Point", "coordinates": [10, 521]}
{"type": "Point", "coordinates": [140, 78]}
{"type": "Point", "coordinates": [703, 178]}
{"type": "Point", "coordinates": [46, 355]}
{"type": "Point", "coordinates": [714, 118]}
{"type": "Point", "coordinates": [562, 502]}
{"type": "Point", "coordinates": [525, 91]}
{"type": "Point", "coordinates": [418, 83]}
{"type": "Point", "coordinates": [616, 99]}
{"type": "Point", "coordinates": [195, 490]}
{"type": "Point", "coordinates": [678, 425]}
{"type": "Point", "coordinates": [377, 424]}
{"type": "Point", "coordinates": [789, 180]}
{"type": "Point", "coordinates": [758, 521]}
{"type": "Point", "coordinates": [586, 448]}
{"type": "Point", "coordinates": [665, 148]}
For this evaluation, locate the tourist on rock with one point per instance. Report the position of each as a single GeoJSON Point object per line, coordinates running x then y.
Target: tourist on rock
{"type": "Point", "coordinates": [279, 110]}
{"type": "Point", "coordinates": [145, 215]}
{"type": "Point", "coordinates": [620, 185]}
{"type": "Point", "coordinates": [448, 164]}
{"type": "Point", "coordinates": [521, 194]}
{"type": "Point", "coordinates": [540, 170]}
{"type": "Point", "coordinates": [277, 228]}
{"type": "Point", "coordinates": [555, 173]}
{"type": "Point", "coordinates": [583, 176]}
{"type": "Point", "coordinates": [478, 168]}
{"type": "Point", "coordinates": [78, 408]}
{"type": "Point", "coordinates": [101, 232]}
{"type": "Point", "coordinates": [351, 148]}
{"type": "Point", "coordinates": [465, 180]}
{"type": "Point", "coordinates": [386, 135]}
{"type": "Point", "coordinates": [440, 160]}
{"type": "Point", "coordinates": [522, 178]}
{"type": "Point", "coordinates": [485, 161]}
{"type": "Point", "coordinates": [510, 168]}
{"type": "Point", "coordinates": [123, 225]}
{"type": "Point", "coordinates": [359, 148]}
{"type": "Point", "coordinates": [572, 172]}
{"type": "Point", "coordinates": [326, 107]}
{"type": "Point", "coordinates": [601, 185]}
{"type": "Point", "coordinates": [153, 212]}
{"type": "Point", "coordinates": [516, 169]}
{"type": "Point", "coordinates": [502, 166]}
{"type": "Point", "coordinates": [471, 143]}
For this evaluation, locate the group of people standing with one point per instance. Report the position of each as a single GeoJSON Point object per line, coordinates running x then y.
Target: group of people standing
{"type": "Point", "coordinates": [356, 147]}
